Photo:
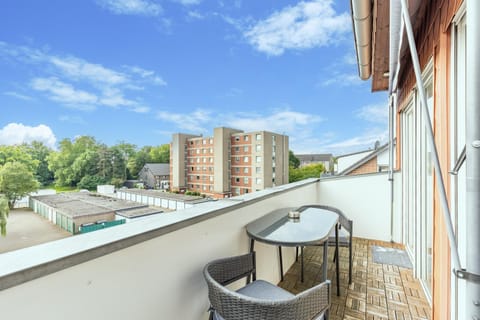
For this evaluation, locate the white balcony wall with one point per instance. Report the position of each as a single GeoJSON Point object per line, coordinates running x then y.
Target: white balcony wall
{"type": "Point", "coordinates": [366, 200]}
{"type": "Point", "coordinates": [156, 279]}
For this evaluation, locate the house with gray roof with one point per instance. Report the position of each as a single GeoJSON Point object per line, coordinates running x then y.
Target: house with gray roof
{"type": "Point", "coordinates": [155, 175]}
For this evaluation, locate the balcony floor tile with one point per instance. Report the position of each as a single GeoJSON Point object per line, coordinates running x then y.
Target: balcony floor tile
{"type": "Point", "coordinates": [377, 292]}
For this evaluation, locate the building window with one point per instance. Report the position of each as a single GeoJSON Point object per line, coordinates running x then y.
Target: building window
{"type": "Point", "coordinates": [198, 160]}
{"type": "Point", "coordinates": [237, 149]}
{"type": "Point", "coordinates": [237, 159]}
{"type": "Point", "coordinates": [258, 147]}
{"type": "Point", "coordinates": [245, 170]}
{"type": "Point", "coordinates": [192, 169]}
{"type": "Point", "coordinates": [198, 177]}
{"type": "Point", "coordinates": [258, 170]}
{"type": "Point", "coordinates": [237, 180]}
{"type": "Point", "coordinates": [237, 169]}
{"type": "Point", "coordinates": [258, 181]}
{"type": "Point", "coordinates": [211, 178]}
{"type": "Point", "coordinates": [246, 190]}
{"type": "Point", "coordinates": [204, 141]}
{"type": "Point", "coordinates": [258, 137]}
{"type": "Point", "coordinates": [237, 138]}
{"type": "Point", "coordinates": [191, 143]}
{"type": "Point", "coordinates": [245, 159]}
{"type": "Point", "coordinates": [274, 138]}
{"type": "Point", "coordinates": [211, 160]}
{"type": "Point", "coordinates": [258, 159]}
{"type": "Point", "coordinates": [245, 138]}
{"type": "Point", "coordinates": [245, 149]}
{"type": "Point", "coordinates": [211, 141]}
{"type": "Point", "coordinates": [204, 160]}
{"type": "Point", "coordinates": [198, 151]}
{"type": "Point", "coordinates": [245, 180]}
{"type": "Point", "coordinates": [204, 151]}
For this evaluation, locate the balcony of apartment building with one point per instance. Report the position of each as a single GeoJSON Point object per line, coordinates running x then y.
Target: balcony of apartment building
{"type": "Point", "coordinates": [152, 268]}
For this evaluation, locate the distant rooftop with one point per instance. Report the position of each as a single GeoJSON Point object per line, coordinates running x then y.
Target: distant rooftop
{"type": "Point", "coordinates": [314, 157]}
{"type": "Point", "coordinates": [76, 204]}
{"type": "Point", "coordinates": [158, 169]}
{"type": "Point", "coordinates": [166, 195]}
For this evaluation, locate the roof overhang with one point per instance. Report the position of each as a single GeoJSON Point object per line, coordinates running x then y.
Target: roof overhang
{"type": "Point", "coordinates": [379, 37]}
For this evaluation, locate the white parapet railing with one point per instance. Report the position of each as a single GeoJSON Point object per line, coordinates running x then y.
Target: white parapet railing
{"type": "Point", "coordinates": [152, 268]}
{"type": "Point", "coordinates": [366, 200]}
{"type": "Point", "coordinates": [148, 269]}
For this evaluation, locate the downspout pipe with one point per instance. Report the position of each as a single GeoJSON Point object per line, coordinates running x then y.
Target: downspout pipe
{"type": "Point", "coordinates": [430, 137]}
{"type": "Point", "coordinates": [472, 307]}
{"type": "Point", "coordinates": [362, 26]}
{"type": "Point", "coordinates": [391, 118]}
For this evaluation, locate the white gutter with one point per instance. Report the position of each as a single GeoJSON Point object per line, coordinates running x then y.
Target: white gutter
{"type": "Point", "coordinates": [362, 26]}
{"type": "Point", "coordinates": [472, 272]}
{"type": "Point", "coordinates": [394, 50]}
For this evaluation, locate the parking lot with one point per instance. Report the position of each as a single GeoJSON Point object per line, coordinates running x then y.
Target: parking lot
{"type": "Point", "coordinates": [26, 228]}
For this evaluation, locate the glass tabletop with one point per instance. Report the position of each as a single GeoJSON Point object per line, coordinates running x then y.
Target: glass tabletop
{"type": "Point", "coordinates": [312, 227]}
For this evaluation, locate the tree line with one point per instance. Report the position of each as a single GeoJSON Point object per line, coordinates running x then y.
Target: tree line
{"type": "Point", "coordinates": [82, 163]}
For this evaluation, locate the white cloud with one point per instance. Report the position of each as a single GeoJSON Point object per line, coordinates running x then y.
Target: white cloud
{"type": "Point", "coordinates": [188, 2]}
{"type": "Point", "coordinates": [196, 15]}
{"type": "Point", "coordinates": [361, 142]}
{"type": "Point", "coordinates": [192, 122]}
{"type": "Point", "coordinates": [18, 95]}
{"type": "Point", "coordinates": [280, 121]}
{"type": "Point", "coordinates": [132, 7]}
{"type": "Point", "coordinates": [342, 80]}
{"type": "Point", "coordinates": [80, 69]}
{"type": "Point", "coordinates": [303, 26]}
{"type": "Point", "coordinates": [17, 133]}
{"type": "Point", "coordinates": [377, 113]}
{"type": "Point", "coordinates": [72, 119]}
{"type": "Point", "coordinates": [148, 75]}
{"type": "Point", "coordinates": [65, 93]}
{"type": "Point", "coordinates": [80, 84]}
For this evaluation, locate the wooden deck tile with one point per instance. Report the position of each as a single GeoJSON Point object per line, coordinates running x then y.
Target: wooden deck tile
{"type": "Point", "coordinates": [377, 292]}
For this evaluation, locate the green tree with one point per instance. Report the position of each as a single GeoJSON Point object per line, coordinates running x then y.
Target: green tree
{"type": "Point", "coordinates": [4, 210]}
{"type": "Point", "coordinates": [16, 181]}
{"type": "Point", "coordinates": [18, 153]}
{"type": "Point", "coordinates": [74, 160]}
{"type": "Point", "coordinates": [160, 154]}
{"type": "Point", "coordinates": [136, 163]}
{"type": "Point", "coordinates": [39, 152]}
{"type": "Point", "coordinates": [90, 182]}
{"type": "Point", "coordinates": [293, 161]}
{"type": "Point", "coordinates": [308, 171]}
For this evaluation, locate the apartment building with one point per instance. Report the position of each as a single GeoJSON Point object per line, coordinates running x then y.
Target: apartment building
{"type": "Point", "coordinates": [229, 163]}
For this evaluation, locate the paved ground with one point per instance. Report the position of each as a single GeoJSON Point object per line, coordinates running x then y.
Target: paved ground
{"type": "Point", "coordinates": [377, 292]}
{"type": "Point", "coordinates": [26, 228]}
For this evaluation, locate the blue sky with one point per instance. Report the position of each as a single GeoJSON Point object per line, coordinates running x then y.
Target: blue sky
{"type": "Point", "coordinates": [140, 70]}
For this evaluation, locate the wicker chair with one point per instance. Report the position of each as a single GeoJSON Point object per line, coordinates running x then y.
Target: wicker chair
{"type": "Point", "coordinates": [259, 300]}
{"type": "Point", "coordinates": [344, 237]}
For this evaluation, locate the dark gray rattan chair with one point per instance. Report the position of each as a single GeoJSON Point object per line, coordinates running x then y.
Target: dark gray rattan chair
{"type": "Point", "coordinates": [344, 237]}
{"type": "Point", "coordinates": [259, 300]}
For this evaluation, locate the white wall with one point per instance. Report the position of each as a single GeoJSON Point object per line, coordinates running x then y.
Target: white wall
{"type": "Point", "coordinates": [157, 279]}
{"type": "Point", "coordinates": [365, 199]}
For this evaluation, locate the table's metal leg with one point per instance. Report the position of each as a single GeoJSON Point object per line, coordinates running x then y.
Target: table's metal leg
{"type": "Point", "coordinates": [281, 262]}
{"type": "Point", "coordinates": [337, 261]}
{"type": "Point", "coordinates": [301, 261]}
{"type": "Point", "coordinates": [296, 254]}
{"type": "Point", "coordinates": [254, 273]}
{"type": "Point", "coordinates": [325, 259]}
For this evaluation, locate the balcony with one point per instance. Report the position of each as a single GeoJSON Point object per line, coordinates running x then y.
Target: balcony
{"type": "Point", "coordinates": [152, 268]}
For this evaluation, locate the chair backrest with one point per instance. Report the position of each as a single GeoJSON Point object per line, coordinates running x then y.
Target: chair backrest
{"type": "Point", "coordinates": [344, 221]}
{"type": "Point", "coordinates": [235, 306]}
